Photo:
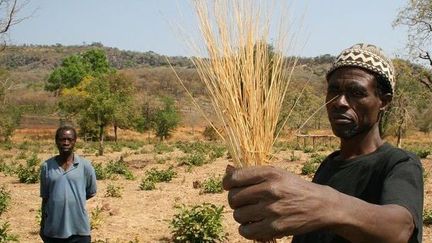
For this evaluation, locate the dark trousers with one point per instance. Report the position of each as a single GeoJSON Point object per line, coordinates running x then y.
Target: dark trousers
{"type": "Point", "coordinates": [72, 239]}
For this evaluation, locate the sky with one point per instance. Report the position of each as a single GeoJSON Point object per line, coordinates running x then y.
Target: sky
{"type": "Point", "coordinates": [328, 26]}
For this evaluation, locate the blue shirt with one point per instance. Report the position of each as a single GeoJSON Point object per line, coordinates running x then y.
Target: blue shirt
{"type": "Point", "coordinates": [66, 193]}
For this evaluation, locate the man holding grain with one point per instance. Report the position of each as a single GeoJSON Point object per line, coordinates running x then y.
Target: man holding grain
{"type": "Point", "coordinates": [66, 182]}
{"type": "Point", "coordinates": [368, 191]}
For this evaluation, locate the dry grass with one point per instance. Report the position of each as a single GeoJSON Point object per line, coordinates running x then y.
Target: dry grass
{"type": "Point", "coordinates": [245, 76]}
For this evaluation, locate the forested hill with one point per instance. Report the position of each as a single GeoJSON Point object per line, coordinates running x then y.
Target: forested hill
{"type": "Point", "coordinates": [48, 57]}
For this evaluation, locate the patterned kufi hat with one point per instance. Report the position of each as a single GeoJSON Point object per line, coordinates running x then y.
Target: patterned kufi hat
{"type": "Point", "coordinates": [368, 57]}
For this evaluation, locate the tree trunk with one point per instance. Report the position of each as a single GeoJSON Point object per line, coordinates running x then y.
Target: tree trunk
{"type": "Point", "coordinates": [115, 133]}
{"type": "Point", "coordinates": [399, 137]}
{"type": "Point", "coordinates": [101, 138]}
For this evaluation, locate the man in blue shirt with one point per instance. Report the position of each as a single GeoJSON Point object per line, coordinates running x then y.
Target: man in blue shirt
{"type": "Point", "coordinates": [66, 182]}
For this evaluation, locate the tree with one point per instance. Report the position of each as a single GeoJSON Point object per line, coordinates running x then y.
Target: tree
{"type": "Point", "coordinates": [98, 102]}
{"type": "Point", "coordinates": [8, 16]}
{"type": "Point", "coordinates": [6, 84]}
{"type": "Point", "coordinates": [409, 104]}
{"type": "Point", "coordinates": [166, 119]}
{"type": "Point", "coordinates": [74, 68]}
{"type": "Point", "coordinates": [125, 112]}
{"type": "Point", "coordinates": [9, 120]}
{"type": "Point", "coordinates": [417, 16]}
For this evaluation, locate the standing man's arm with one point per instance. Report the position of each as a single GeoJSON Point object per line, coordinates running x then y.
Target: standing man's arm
{"type": "Point", "coordinates": [44, 193]}
{"type": "Point", "coordinates": [91, 187]}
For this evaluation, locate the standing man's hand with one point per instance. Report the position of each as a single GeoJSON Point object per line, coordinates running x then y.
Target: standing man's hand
{"type": "Point", "coordinates": [272, 203]}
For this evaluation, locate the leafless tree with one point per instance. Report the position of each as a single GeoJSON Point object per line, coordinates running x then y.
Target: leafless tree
{"type": "Point", "coordinates": [417, 16]}
{"type": "Point", "coordinates": [9, 10]}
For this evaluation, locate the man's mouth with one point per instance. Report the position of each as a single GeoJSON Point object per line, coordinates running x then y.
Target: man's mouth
{"type": "Point", "coordinates": [341, 119]}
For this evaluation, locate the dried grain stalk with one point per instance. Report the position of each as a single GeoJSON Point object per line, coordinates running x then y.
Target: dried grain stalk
{"type": "Point", "coordinates": [245, 76]}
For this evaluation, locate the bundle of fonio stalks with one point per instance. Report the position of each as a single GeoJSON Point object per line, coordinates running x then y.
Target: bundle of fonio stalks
{"type": "Point", "coordinates": [245, 76]}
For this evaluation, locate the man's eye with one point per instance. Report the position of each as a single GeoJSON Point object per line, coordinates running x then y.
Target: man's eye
{"type": "Point", "coordinates": [358, 93]}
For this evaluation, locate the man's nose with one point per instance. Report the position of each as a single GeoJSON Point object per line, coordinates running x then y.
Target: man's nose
{"type": "Point", "coordinates": [341, 101]}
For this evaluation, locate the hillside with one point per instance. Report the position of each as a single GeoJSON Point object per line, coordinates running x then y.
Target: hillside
{"type": "Point", "coordinates": [30, 65]}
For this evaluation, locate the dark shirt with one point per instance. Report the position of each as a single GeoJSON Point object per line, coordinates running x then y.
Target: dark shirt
{"type": "Point", "coordinates": [387, 176]}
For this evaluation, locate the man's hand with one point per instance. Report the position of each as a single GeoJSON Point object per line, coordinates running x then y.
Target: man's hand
{"type": "Point", "coordinates": [272, 203]}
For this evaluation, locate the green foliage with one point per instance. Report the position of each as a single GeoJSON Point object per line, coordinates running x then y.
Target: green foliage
{"type": "Point", "coordinates": [420, 151]}
{"type": "Point", "coordinates": [6, 168]}
{"type": "Point", "coordinates": [75, 67]}
{"type": "Point", "coordinates": [166, 119]}
{"type": "Point", "coordinates": [145, 118]}
{"type": "Point", "coordinates": [154, 176]}
{"type": "Point", "coordinates": [38, 217]}
{"type": "Point", "coordinates": [10, 117]}
{"type": "Point", "coordinates": [100, 171]}
{"type": "Point", "coordinates": [308, 149]}
{"type": "Point", "coordinates": [30, 172]}
{"type": "Point", "coordinates": [131, 144]}
{"type": "Point", "coordinates": [311, 166]}
{"type": "Point", "coordinates": [96, 218]}
{"type": "Point", "coordinates": [147, 184]}
{"type": "Point", "coordinates": [212, 185]}
{"type": "Point", "coordinates": [5, 199]}
{"type": "Point", "coordinates": [200, 223]}
{"type": "Point", "coordinates": [161, 148]}
{"type": "Point", "coordinates": [113, 191]}
{"type": "Point", "coordinates": [161, 175]}
{"type": "Point", "coordinates": [5, 235]}
{"type": "Point", "coordinates": [119, 167]}
{"type": "Point", "coordinates": [200, 149]}
{"type": "Point", "coordinates": [195, 159]}
{"type": "Point", "coordinates": [427, 217]}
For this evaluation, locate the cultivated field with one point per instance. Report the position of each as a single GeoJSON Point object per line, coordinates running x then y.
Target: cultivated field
{"type": "Point", "coordinates": [144, 215]}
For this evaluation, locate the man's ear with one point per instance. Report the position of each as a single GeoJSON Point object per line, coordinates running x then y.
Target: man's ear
{"type": "Point", "coordinates": [385, 101]}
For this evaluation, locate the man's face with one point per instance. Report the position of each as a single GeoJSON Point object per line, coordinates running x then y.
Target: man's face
{"type": "Point", "coordinates": [66, 141]}
{"type": "Point", "coordinates": [353, 102]}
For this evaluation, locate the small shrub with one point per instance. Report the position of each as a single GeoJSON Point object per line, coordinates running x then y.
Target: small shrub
{"type": "Point", "coordinates": [116, 147]}
{"type": "Point", "coordinates": [119, 167]}
{"type": "Point", "coordinates": [5, 235]}
{"type": "Point", "coordinates": [38, 217]}
{"type": "Point", "coordinates": [30, 172]}
{"type": "Point", "coordinates": [113, 191]}
{"type": "Point", "coordinates": [161, 175]}
{"type": "Point", "coordinates": [5, 198]}
{"type": "Point", "coordinates": [311, 166]}
{"type": "Point", "coordinates": [96, 218]}
{"type": "Point", "coordinates": [132, 144]}
{"type": "Point", "coordinates": [195, 159]}
{"type": "Point", "coordinates": [6, 145]}
{"type": "Point", "coordinates": [193, 147]}
{"type": "Point", "coordinates": [422, 153]}
{"type": "Point", "coordinates": [7, 169]}
{"type": "Point", "coordinates": [101, 172]}
{"type": "Point", "coordinates": [21, 155]}
{"type": "Point", "coordinates": [294, 157]}
{"type": "Point", "coordinates": [212, 185]}
{"type": "Point", "coordinates": [161, 148]}
{"type": "Point", "coordinates": [427, 217]}
{"type": "Point", "coordinates": [154, 176]}
{"type": "Point", "coordinates": [210, 133]}
{"type": "Point", "coordinates": [217, 152]}
{"type": "Point", "coordinates": [308, 149]}
{"type": "Point", "coordinates": [147, 184]}
{"type": "Point", "coordinates": [200, 223]}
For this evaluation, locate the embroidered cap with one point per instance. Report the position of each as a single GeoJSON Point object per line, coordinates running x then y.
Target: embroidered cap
{"type": "Point", "coordinates": [369, 57]}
